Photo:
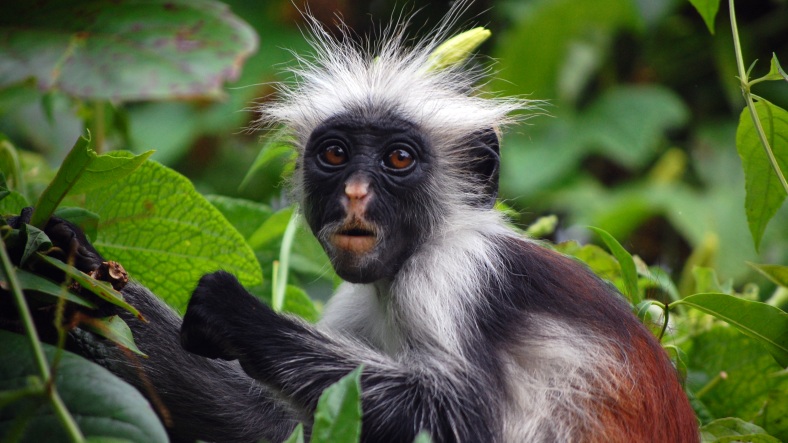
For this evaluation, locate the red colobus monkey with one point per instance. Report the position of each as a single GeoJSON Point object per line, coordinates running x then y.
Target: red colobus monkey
{"type": "Point", "coordinates": [465, 329]}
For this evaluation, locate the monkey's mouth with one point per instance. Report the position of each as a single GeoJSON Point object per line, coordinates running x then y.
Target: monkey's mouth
{"type": "Point", "coordinates": [356, 238]}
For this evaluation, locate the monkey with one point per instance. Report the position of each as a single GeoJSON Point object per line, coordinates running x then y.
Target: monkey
{"type": "Point", "coordinates": [464, 328]}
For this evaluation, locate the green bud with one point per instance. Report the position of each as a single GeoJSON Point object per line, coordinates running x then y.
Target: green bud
{"type": "Point", "coordinates": [456, 49]}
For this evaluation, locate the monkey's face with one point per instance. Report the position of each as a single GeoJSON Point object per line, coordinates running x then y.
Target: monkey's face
{"type": "Point", "coordinates": [366, 198]}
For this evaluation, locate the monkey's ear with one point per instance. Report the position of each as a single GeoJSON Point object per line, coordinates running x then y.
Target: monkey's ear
{"type": "Point", "coordinates": [485, 166]}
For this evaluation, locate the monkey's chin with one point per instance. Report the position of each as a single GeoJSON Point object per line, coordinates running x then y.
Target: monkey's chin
{"type": "Point", "coordinates": [354, 244]}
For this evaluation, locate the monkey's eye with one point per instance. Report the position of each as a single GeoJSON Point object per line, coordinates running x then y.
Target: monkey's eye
{"type": "Point", "coordinates": [334, 155]}
{"type": "Point", "coordinates": [399, 159]}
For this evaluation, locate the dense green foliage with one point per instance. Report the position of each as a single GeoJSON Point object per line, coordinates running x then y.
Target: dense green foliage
{"type": "Point", "coordinates": [648, 139]}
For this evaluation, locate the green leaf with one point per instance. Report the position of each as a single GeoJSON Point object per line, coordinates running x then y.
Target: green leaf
{"type": "Point", "coordinates": [603, 264]}
{"type": "Point", "coordinates": [731, 430]}
{"type": "Point", "coordinates": [4, 191]}
{"type": "Point", "coordinates": [297, 436]}
{"type": "Point", "coordinates": [298, 302]}
{"type": "Point", "coordinates": [245, 215]}
{"type": "Point", "coordinates": [114, 329]}
{"type": "Point", "coordinates": [533, 52]}
{"type": "Point", "coordinates": [133, 50]}
{"type": "Point", "coordinates": [765, 323]}
{"type": "Point", "coordinates": [32, 282]}
{"type": "Point", "coordinates": [35, 240]}
{"type": "Point", "coordinates": [276, 146]}
{"type": "Point", "coordinates": [643, 309]}
{"type": "Point", "coordinates": [10, 166]}
{"type": "Point", "coordinates": [737, 377]}
{"type": "Point", "coordinates": [765, 194]}
{"type": "Point", "coordinates": [423, 437]}
{"type": "Point", "coordinates": [708, 10]}
{"type": "Point", "coordinates": [101, 403]}
{"type": "Point", "coordinates": [628, 270]}
{"type": "Point", "coordinates": [166, 235]}
{"type": "Point", "coordinates": [776, 273]}
{"type": "Point", "coordinates": [626, 123]}
{"type": "Point", "coordinates": [11, 202]}
{"type": "Point", "coordinates": [107, 169]}
{"type": "Point", "coordinates": [706, 281]}
{"type": "Point", "coordinates": [102, 439]}
{"type": "Point", "coordinates": [34, 387]}
{"type": "Point", "coordinates": [776, 71]}
{"type": "Point", "coordinates": [273, 228]}
{"type": "Point", "coordinates": [102, 289]}
{"type": "Point", "coordinates": [73, 166]}
{"type": "Point", "coordinates": [338, 413]}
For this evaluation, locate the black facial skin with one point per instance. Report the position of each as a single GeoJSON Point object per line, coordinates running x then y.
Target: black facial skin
{"type": "Point", "coordinates": [348, 148]}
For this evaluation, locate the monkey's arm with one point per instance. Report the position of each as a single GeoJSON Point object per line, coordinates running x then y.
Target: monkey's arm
{"type": "Point", "coordinates": [196, 398]}
{"type": "Point", "coordinates": [399, 397]}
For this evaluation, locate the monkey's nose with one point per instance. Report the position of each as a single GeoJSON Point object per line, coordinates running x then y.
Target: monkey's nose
{"type": "Point", "coordinates": [357, 189]}
{"type": "Point", "coordinates": [357, 196]}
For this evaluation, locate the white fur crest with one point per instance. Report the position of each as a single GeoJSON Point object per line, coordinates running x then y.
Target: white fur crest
{"type": "Point", "coordinates": [383, 78]}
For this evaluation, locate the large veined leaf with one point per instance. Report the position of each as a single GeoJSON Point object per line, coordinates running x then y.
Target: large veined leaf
{"type": "Point", "coordinates": [765, 194]}
{"type": "Point", "coordinates": [166, 234]}
{"type": "Point", "coordinates": [107, 169]}
{"type": "Point", "coordinates": [123, 49]}
{"type": "Point", "coordinates": [737, 377]}
{"type": "Point", "coordinates": [102, 404]}
{"type": "Point", "coordinates": [765, 323]}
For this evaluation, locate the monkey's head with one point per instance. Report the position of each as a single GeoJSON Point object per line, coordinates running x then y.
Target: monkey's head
{"type": "Point", "coordinates": [375, 188]}
{"type": "Point", "coordinates": [389, 152]}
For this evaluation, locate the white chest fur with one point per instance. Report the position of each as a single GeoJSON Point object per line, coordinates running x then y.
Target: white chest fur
{"type": "Point", "coordinates": [359, 311]}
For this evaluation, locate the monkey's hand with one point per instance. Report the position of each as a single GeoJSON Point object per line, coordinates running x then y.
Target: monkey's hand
{"type": "Point", "coordinates": [214, 317]}
{"type": "Point", "coordinates": [68, 240]}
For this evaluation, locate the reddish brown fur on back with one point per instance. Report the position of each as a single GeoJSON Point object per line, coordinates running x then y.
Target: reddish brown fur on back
{"type": "Point", "coordinates": [646, 402]}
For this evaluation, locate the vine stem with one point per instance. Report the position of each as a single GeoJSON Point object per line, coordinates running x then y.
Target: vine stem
{"type": "Point", "coordinates": [61, 411]}
{"type": "Point", "coordinates": [666, 311]}
{"type": "Point", "coordinates": [745, 88]}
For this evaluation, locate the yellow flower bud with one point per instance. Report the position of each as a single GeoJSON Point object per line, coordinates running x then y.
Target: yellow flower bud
{"type": "Point", "coordinates": [456, 49]}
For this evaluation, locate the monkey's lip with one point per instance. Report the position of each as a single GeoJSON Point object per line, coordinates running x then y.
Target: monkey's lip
{"type": "Point", "coordinates": [356, 239]}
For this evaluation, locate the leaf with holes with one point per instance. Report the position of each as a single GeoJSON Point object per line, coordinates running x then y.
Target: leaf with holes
{"type": "Point", "coordinates": [123, 49]}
